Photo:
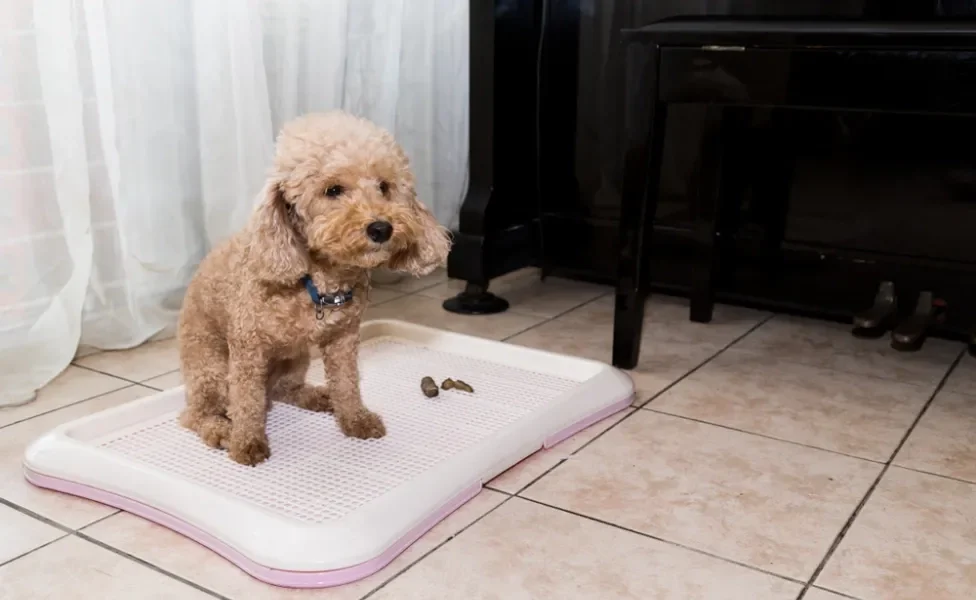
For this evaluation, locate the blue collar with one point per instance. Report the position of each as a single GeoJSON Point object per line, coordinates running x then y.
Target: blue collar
{"type": "Point", "coordinates": [323, 301]}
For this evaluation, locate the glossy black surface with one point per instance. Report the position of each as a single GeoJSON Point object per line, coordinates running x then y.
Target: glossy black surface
{"type": "Point", "coordinates": [497, 221]}
{"type": "Point", "coordinates": [928, 82]}
{"type": "Point", "coordinates": [583, 194]}
{"type": "Point", "coordinates": [736, 66]}
{"type": "Point", "coordinates": [869, 196]}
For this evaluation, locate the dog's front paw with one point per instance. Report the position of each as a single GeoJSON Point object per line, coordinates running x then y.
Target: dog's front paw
{"type": "Point", "coordinates": [362, 424]}
{"type": "Point", "coordinates": [213, 430]}
{"type": "Point", "coordinates": [249, 451]}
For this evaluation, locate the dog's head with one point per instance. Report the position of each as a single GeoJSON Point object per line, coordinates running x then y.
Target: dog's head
{"type": "Point", "coordinates": [342, 193]}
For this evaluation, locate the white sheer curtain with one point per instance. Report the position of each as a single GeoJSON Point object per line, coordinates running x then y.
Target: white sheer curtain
{"type": "Point", "coordinates": [135, 135]}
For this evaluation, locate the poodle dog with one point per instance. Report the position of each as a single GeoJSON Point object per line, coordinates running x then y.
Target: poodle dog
{"type": "Point", "coordinates": [339, 202]}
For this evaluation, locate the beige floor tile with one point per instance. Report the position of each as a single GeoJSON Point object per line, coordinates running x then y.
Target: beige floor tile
{"type": "Point", "coordinates": [522, 474]}
{"type": "Point", "coordinates": [75, 569]}
{"type": "Point", "coordinates": [180, 556]}
{"type": "Point", "coordinates": [64, 509]}
{"type": "Point", "coordinates": [765, 503]}
{"type": "Point", "coordinates": [164, 382]}
{"type": "Point", "coordinates": [963, 378]}
{"type": "Point", "coordinates": [408, 284]}
{"type": "Point", "coordinates": [524, 551]}
{"type": "Point", "coordinates": [448, 288]}
{"type": "Point", "coordinates": [831, 345]}
{"type": "Point", "coordinates": [661, 364]}
{"type": "Point", "coordinates": [666, 320]}
{"type": "Point", "coordinates": [549, 298]}
{"type": "Point", "coordinates": [818, 594]}
{"type": "Point", "coordinates": [944, 442]}
{"type": "Point", "coordinates": [852, 414]}
{"type": "Point", "coordinates": [915, 538]}
{"type": "Point", "coordinates": [139, 363]}
{"type": "Point", "coordinates": [428, 311]}
{"type": "Point", "coordinates": [379, 295]}
{"type": "Point", "coordinates": [666, 353]}
{"type": "Point", "coordinates": [74, 384]}
{"type": "Point", "coordinates": [22, 533]}
{"type": "Point", "coordinates": [83, 351]}
{"type": "Point", "coordinates": [527, 294]}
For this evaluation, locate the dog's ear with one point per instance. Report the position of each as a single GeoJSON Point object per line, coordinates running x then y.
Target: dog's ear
{"type": "Point", "coordinates": [276, 249]}
{"type": "Point", "coordinates": [429, 244]}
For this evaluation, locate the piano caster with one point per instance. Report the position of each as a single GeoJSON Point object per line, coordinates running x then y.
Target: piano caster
{"type": "Point", "coordinates": [911, 333]}
{"type": "Point", "coordinates": [475, 300]}
{"type": "Point", "coordinates": [877, 320]}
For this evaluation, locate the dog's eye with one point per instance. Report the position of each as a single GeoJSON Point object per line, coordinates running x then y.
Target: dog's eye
{"type": "Point", "coordinates": [334, 191]}
{"type": "Point", "coordinates": [384, 187]}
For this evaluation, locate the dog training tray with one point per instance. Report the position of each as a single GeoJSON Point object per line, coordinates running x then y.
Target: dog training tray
{"type": "Point", "coordinates": [326, 509]}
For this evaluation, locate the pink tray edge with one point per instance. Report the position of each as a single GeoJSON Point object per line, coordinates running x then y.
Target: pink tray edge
{"type": "Point", "coordinates": [296, 579]}
{"type": "Point", "coordinates": [585, 422]}
{"type": "Point", "coordinates": [278, 577]}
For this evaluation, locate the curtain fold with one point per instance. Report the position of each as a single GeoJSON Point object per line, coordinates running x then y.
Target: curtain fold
{"type": "Point", "coordinates": [134, 136]}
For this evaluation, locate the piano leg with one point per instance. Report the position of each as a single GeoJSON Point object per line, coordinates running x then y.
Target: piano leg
{"type": "Point", "coordinates": [720, 192]}
{"type": "Point", "coordinates": [642, 172]}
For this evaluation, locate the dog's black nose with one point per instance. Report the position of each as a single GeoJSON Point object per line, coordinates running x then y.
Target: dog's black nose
{"type": "Point", "coordinates": [379, 231]}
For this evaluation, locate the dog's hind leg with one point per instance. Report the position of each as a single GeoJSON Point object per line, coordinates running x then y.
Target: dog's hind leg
{"type": "Point", "coordinates": [287, 384]}
{"type": "Point", "coordinates": [204, 364]}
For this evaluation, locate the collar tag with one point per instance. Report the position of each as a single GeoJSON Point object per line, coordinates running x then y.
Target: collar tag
{"type": "Point", "coordinates": [323, 301]}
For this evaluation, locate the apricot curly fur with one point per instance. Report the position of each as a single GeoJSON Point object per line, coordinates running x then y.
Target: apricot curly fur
{"type": "Point", "coordinates": [248, 324]}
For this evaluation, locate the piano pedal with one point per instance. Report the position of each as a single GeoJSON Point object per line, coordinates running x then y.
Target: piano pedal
{"type": "Point", "coordinates": [911, 333]}
{"type": "Point", "coordinates": [877, 320]}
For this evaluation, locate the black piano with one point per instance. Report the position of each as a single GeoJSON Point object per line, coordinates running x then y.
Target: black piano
{"type": "Point", "coordinates": [869, 197]}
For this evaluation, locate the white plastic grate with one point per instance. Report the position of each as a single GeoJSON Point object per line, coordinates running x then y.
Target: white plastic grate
{"type": "Point", "coordinates": [316, 474]}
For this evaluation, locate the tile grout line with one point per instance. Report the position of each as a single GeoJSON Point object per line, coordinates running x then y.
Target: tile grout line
{"type": "Point", "coordinates": [4, 563]}
{"type": "Point", "coordinates": [370, 303]}
{"type": "Point", "coordinates": [653, 397]}
{"type": "Point", "coordinates": [36, 516]}
{"type": "Point", "coordinates": [835, 592]}
{"type": "Point", "coordinates": [546, 320]}
{"type": "Point", "coordinates": [939, 475]}
{"type": "Point", "coordinates": [417, 291]}
{"type": "Point", "coordinates": [99, 520]}
{"type": "Point", "coordinates": [437, 547]}
{"type": "Point", "coordinates": [659, 539]}
{"type": "Point", "coordinates": [884, 469]}
{"type": "Point", "coordinates": [65, 530]}
{"type": "Point", "coordinates": [543, 319]}
{"type": "Point", "coordinates": [761, 435]}
{"type": "Point", "coordinates": [146, 384]}
{"type": "Point", "coordinates": [708, 360]}
{"type": "Point", "coordinates": [149, 565]}
{"type": "Point", "coordinates": [107, 374]}
{"type": "Point", "coordinates": [500, 491]}
{"type": "Point", "coordinates": [866, 376]}
{"type": "Point", "coordinates": [77, 402]}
